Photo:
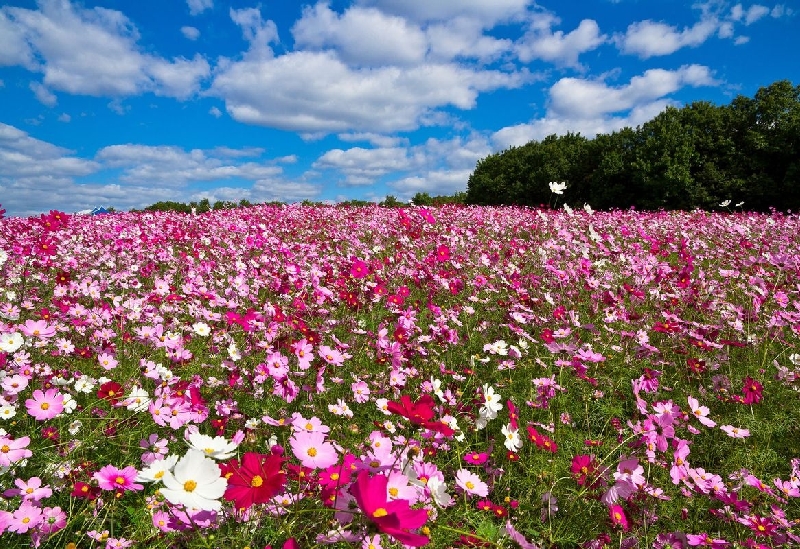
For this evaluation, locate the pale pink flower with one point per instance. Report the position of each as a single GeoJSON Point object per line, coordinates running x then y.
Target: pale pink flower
{"type": "Point", "coordinates": [38, 328]}
{"type": "Point", "coordinates": [735, 432]}
{"type": "Point", "coordinates": [471, 483]}
{"type": "Point", "coordinates": [701, 412]}
{"type": "Point", "coordinates": [14, 450]}
{"type": "Point", "coordinates": [31, 489]}
{"type": "Point", "coordinates": [45, 406]}
{"type": "Point", "coordinates": [313, 450]}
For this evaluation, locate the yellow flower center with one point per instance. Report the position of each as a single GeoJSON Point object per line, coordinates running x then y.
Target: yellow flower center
{"type": "Point", "coordinates": [335, 476]}
{"type": "Point", "coordinates": [470, 485]}
{"type": "Point", "coordinates": [5, 449]}
{"type": "Point", "coordinates": [29, 490]}
{"type": "Point", "coordinates": [120, 480]}
{"type": "Point", "coordinates": [159, 474]}
{"type": "Point", "coordinates": [379, 512]}
{"type": "Point", "coordinates": [189, 485]}
{"type": "Point", "coordinates": [312, 452]}
{"type": "Point", "coordinates": [26, 520]}
{"type": "Point", "coordinates": [45, 405]}
{"type": "Point", "coordinates": [393, 492]}
{"type": "Point", "coordinates": [256, 481]}
{"type": "Point", "coordinates": [309, 427]}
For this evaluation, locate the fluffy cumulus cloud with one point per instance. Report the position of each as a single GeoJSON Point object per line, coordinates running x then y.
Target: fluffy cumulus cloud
{"type": "Point", "coordinates": [541, 42]}
{"type": "Point", "coordinates": [92, 52]}
{"type": "Point", "coordinates": [362, 36]}
{"type": "Point", "coordinates": [310, 91]}
{"type": "Point", "coordinates": [592, 106]}
{"type": "Point", "coordinates": [652, 38]}
{"type": "Point", "coordinates": [364, 166]}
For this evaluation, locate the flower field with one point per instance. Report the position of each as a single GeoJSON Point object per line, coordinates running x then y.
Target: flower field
{"type": "Point", "coordinates": [374, 377]}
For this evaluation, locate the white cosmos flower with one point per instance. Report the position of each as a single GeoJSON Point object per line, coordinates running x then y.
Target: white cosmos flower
{"type": "Point", "coordinates": [725, 203]}
{"type": "Point", "coordinates": [216, 447]}
{"type": "Point", "coordinates": [438, 492]}
{"type": "Point", "coordinates": [11, 342]}
{"type": "Point", "coordinates": [558, 188]}
{"type": "Point", "coordinates": [138, 400]}
{"type": "Point", "coordinates": [156, 470]}
{"type": "Point", "coordinates": [196, 482]}
{"type": "Point", "coordinates": [201, 328]}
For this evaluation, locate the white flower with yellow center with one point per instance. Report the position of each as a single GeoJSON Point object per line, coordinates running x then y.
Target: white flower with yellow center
{"type": "Point", "coordinates": [213, 447]}
{"type": "Point", "coordinates": [195, 482]}
{"type": "Point", "coordinates": [155, 471]}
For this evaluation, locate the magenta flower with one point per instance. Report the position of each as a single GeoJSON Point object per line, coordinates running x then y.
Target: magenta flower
{"type": "Point", "coordinates": [112, 478]}
{"type": "Point", "coordinates": [12, 451]}
{"type": "Point", "coordinates": [394, 518]}
{"type": "Point", "coordinates": [45, 406]}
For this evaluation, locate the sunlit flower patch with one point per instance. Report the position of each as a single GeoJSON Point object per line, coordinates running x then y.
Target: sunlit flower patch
{"type": "Point", "coordinates": [455, 377]}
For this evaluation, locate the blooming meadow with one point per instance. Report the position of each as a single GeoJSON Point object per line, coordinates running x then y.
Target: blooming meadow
{"type": "Point", "coordinates": [373, 377]}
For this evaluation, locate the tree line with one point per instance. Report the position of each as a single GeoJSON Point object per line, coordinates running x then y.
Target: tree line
{"type": "Point", "coordinates": [697, 156]}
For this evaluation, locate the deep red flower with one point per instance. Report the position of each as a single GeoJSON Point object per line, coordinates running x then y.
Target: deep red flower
{"type": "Point", "coordinates": [255, 480]}
{"type": "Point", "coordinates": [419, 413]}
{"type": "Point", "coordinates": [394, 518]}
{"type": "Point", "coordinates": [752, 390]}
{"type": "Point", "coordinates": [110, 391]}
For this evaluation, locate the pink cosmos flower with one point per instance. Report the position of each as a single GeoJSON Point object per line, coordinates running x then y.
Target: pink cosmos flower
{"type": "Point", "coordinates": [394, 518]}
{"type": "Point", "coordinates": [29, 490]}
{"type": "Point", "coordinates": [735, 432]}
{"type": "Point", "coordinates": [38, 328]}
{"type": "Point", "coordinates": [705, 540]}
{"type": "Point", "coordinates": [112, 478]}
{"type": "Point", "coordinates": [107, 361]}
{"type": "Point", "coordinates": [53, 520]}
{"type": "Point", "coordinates": [12, 451]}
{"type": "Point", "coordinates": [618, 518]}
{"type": "Point", "coordinates": [701, 412]}
{"type": "Point", "coordinates": [27, 517]}
{"type": "Point", "coordinates": [313, 450]}
{"type": "Point", "coordinates": [331, 356]}
{"type": "Point", "coordinates": [45, 406]}
{"type": "Point", "coordinates": [476, 458]}
{"type": "Point", "coordinates": [360, 391]}
{"type": "Point", "coordinates": [471, 483]}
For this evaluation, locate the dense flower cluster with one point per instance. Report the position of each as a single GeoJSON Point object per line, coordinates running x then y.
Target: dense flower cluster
{"type": "Point", "coordinates": [400, 376]}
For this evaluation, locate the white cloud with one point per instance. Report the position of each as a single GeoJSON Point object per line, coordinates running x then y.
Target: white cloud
{"type": "Point", "coordinates": [589, 127]}
{"type": "Point", "coordinates": [754, 13]}
{"type": "Point", "coordinates": [578, 98]}
{"type": "Point", "coordinates": [377, 139]}
{"type": "Point", "coordinates": [14, 48]}
{"type": "Point", "coordinates": [94, 52]}
{"type": "Point", "coordinates": [540, 42]}
{"type": "Point", "coordinates": [191, 33]}
{"type": "Point", "coordinates": [43, 95]}
{"type": "Point", "coordinates": [741, 40]}
{"type": "Point", "coordinates": [489, 11]}
{"type": "Point", "coordinates": [64, 117]}
{"type": "Point", "coordinates": [361, 36]}
{"type": "Point", "coordinates": [464, 37]}
{"type": "Point", "coordinates": [196, 7]}
{"type": "Point", "coordinates": [364, 166]}
{"type": "Point", "coordinates": [591, 107]}
{"type": "Point", "coordinates": [258, 32]}
{"type": "Point", "coordinates": [170, 166]}
{"type": "Point", "coordinates": [650, 38]}
{"type": "Point", "coordinates": [435, 183]}
{"type": "Point", "coordinates": [317, 92]}
{"type": "Point", "coordinates": [23, 156]}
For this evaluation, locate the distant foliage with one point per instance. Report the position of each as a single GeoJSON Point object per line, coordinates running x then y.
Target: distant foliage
{"type": "Point", "coordinates": [697, 156]}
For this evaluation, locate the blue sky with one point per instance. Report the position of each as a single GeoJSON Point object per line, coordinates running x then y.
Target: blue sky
{"type": "Point", "coordinates": [123, 104]}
